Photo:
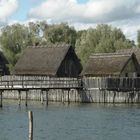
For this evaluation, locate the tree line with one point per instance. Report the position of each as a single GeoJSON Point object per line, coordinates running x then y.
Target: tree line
{"type": "Point", "coordinates": [102, 39]}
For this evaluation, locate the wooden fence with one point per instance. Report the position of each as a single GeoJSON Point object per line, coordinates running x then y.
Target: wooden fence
{"type": "Point", "coordinates": [38, 82]}
{"type": "Point", "coordinates": [116, 84]}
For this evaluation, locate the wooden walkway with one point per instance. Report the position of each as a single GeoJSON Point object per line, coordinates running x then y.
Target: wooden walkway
{"type": "Point", "coordinates": [43, 83]}
{"type": "Point", "coordinates": [85, 84]}
{"type": "Point", "coordinates": [38, 82]}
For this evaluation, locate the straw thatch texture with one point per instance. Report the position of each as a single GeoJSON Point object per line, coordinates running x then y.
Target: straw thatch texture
{"type": "Point", "coordinates": [134, 50]}
{"type": "Point", "coordinates": [107, 64]}
{"type": "Point", "coordinates": [42, 60]}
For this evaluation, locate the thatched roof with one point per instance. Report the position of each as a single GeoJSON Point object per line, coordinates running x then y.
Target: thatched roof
{"type": "Point", "coordinates": [41, 60]}
{"type": "Point", "coordinates": [134, 50]}
{"type": "Point", "coordinates": [107, 64]}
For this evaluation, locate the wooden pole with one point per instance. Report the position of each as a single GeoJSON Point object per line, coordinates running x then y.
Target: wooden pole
{"type": "Point", "coordinates": [30, 116]}
{"type": "Point", "coordinates": [114, 96]}
{"type": "Point", "coordinates": [26, 98]}
{"type": "Point", "coordinates": [47, 102]}
{"type": "Point", "coordinates": [42, 99]}
{"type": "Point", "coordinates": [68, 96]}
{"type": "Point", "coordinates": [19, 97]}
{"type": "Point", "coordinates": [1, 98]}
{"type": "Point", "coordinates": [75, 95]}
{"type": "Point", "coordinates": [63, 96]}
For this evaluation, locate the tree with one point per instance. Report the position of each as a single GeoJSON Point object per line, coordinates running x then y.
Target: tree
{"type": "Point", "coordinates": [36, 32]}
{"type": "Point", "coordinates": [60, 33]}
{"type": "Point", "coordinates": [13, 39]}
{"type": "Point", "coordinates": [102, 39]}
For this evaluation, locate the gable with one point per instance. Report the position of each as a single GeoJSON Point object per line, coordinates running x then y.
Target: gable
{"type": "Point", "coordinates": [70, 66]}
{"type": "Point", "coordinates": [131, 67]}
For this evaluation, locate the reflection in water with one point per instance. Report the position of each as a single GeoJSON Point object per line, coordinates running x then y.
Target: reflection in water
{"type": "Point", "coordinates": [70, 122]}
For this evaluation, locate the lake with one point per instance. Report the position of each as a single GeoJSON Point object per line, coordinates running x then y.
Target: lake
{"type": "Point", "coordinates": [70, 122]}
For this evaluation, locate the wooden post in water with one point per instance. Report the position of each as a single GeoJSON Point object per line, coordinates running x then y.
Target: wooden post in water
{"type": "Point", "coordinates": [62, 98]}
{"type": "Point", "coordinates": [104, 95]}
{"type": "Point", "coordinates": [75, 96]}
{"type": "Point", "coordinates": [114, 96]}
{"type": "Point", "coordinates": [19, 97]}
{"type": "Point", "coordinates": [30, 116]}
{"type": "Point", "coordinates": [42, 99]}
{"type": "Point", "coordinates": [47, 101]}
{"type": "Point", "coordinates": [26, 97]}
{"type": "Point", "coordinates": [68, 96]}
{"type": "Point", "coordinates": [1, 98]}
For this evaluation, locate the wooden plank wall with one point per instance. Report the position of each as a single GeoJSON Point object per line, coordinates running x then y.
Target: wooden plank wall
{"type": "Point", "coordinates": [38, 82]}
{"type": "Point", "coordinates": [95, 90]}
{"type": "Point", "coordinates": [111, 90]}
{"type": "Point", "coordinates": [112, 84]}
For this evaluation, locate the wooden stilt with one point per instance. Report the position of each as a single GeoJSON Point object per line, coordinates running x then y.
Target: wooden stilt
{"type": "Point", "coordinates": [26, 98]}
{"type": "Point", "coordinates": [114, 97]}
{"type": "Point", "coordinates": [63, 96]}
{"type": "Point", "coordinates": [104, 95]}
{"type": "Point", "coordinates": [78, 96]}
{"type": "Point", "coordinates": [1, 98]}
{"type": "Point", "coordinates": [47, 101]}
{"type": "Point", "coordinates": [19, 97]}
{"type": "Point", "coordinates": [42, 99]}
{"type": "Point", "coordinates": [68, 97]}
{"type": "Point", "coordinates": [56, 95]}
{"type": "Point", "coordinates": [40, 94]}
{"type": "Point", "coordinates": [75, 93]}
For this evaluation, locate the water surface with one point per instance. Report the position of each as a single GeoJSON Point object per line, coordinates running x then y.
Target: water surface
{"type": "Point", "coordinates": [73, 122]}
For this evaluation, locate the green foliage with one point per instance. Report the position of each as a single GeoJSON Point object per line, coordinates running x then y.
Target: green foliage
{"type": "Point", "coordinates": [102, 39]}
{"type": "Point", "coordinates": [60, 33]}
{"type": "Point", "coordinates": [15, 38]}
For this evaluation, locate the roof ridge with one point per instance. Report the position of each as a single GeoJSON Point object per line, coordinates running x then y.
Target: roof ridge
{"type": "Point", "coordinates": [110, 55]}
{"type": "Point", "coordinates": [51, 46]}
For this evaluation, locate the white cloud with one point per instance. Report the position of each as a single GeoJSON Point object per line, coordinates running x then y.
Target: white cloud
{"type": "Point", "coordinates": [90, 12]}
{"type": "Point", "coordinates": [124, 14]}
{"type": "Point", "coordinates": [129, 27]}
{"type": "Point", "coordinates": [7, 8]}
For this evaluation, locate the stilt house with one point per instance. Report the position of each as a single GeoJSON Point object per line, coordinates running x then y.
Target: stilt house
{"type": "Point", "coordinates": [112, 65]}
{"type": "Point", "coordinates": [56, 61]}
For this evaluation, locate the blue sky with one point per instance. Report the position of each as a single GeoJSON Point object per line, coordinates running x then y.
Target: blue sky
{"type": "Point", "coordinates": [22, 10]}
{"type": "Point", "coordinates": [81, 14]}
{"type": "Point", "coordinates": [24, 6]}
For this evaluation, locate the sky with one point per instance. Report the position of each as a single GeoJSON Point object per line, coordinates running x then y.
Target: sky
{"type": "Point", "coordinates": [81, 14]}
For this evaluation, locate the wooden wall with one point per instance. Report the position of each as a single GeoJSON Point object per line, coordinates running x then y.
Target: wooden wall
{"type": "Point", "coordinates": [70, 66]}
{"type": "Point", "coordinates": [111, 90]}
{"type": "Point", "coordinates": [95, 90]}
